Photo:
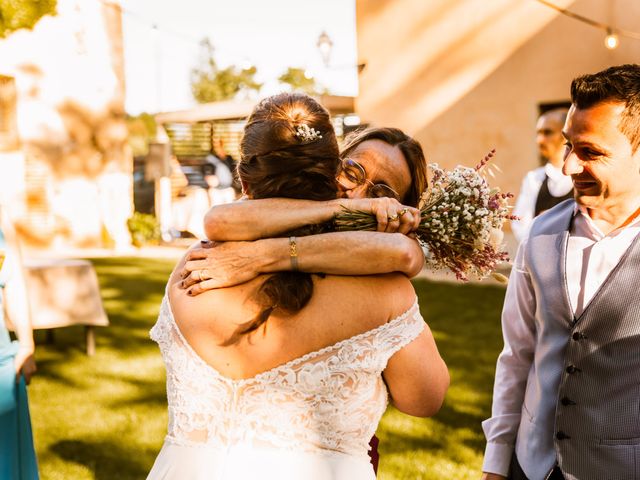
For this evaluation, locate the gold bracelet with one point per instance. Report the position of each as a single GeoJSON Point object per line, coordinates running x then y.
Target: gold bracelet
{"type": "Point", "coordinates": [293, 253]}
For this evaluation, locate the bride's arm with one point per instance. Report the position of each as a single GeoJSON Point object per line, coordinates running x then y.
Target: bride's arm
{"type": "Point", "coordinates": [270, 217]}
{"type": "Point", "coordinates": [416, 375]}
{"type": "Point", "coordinates": [339, 253]}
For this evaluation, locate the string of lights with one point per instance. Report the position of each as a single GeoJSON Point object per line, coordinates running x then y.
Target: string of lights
{"type": "Point", "coordinates": [611, 39]}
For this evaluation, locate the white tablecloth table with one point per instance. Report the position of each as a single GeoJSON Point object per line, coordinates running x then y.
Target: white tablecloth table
{"type": "Point", "coordinates": [65, 292]}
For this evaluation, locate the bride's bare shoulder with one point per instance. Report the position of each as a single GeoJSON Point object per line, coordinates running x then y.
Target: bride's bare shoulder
{"type": "Point", "coordinates": [217, 311]}
{"type": "Point", "coordinates": [396, 283]}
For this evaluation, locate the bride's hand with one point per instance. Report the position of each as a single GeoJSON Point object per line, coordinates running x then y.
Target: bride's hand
{"type": "Point", "coordinates": [392, 216]}
{"type": "Point", "coordinates": [217, 265]}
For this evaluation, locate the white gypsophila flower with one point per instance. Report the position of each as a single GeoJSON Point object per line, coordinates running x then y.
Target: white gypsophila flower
{"type": "Point", "coordinates": [458, 214]}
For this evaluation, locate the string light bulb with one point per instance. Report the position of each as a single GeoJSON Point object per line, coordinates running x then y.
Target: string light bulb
{"type": "Point", "coordinates": [325, 44]}
{"type": "Point", "coordinates": [611, 41]}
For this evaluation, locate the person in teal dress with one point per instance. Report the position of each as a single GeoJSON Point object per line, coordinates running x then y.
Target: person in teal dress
{"type": "Point", "coordinates": [17, 364]}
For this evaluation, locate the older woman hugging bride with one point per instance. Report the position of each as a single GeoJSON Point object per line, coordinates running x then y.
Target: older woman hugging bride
{"type": "Point", "coordinates": [287, 375]}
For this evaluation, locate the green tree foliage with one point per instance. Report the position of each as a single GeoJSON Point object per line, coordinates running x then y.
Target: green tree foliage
{"type": "Point", "coordinates": [209, 83]}
{"type": "Point", "coordinates": [142, 129]}
{"type": "Point", "coordinates": [299, 81]}
{"type": "Point", "coordinates": [144, 229]}
{"type": "Point", "coordinates": [17, 14]}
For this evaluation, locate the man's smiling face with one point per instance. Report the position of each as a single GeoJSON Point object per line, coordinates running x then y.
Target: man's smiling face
{"type": "Point", "coordinates": [599, 157]}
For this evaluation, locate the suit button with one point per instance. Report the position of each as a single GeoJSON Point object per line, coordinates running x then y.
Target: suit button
{"type": "Point", "coordinates": [562, 436]}
{"type": "Point", "coordinates": [577, 336]}
{"type": "Point", "coordinates": [573, 369]}
{"type": "Point", "coordinates": [566, 401]}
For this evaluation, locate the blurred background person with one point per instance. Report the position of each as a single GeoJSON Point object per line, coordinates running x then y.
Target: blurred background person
{"type": "Point", "coordinates": [218, 171]}
{"type": "Point", "coordinates": [189, 198]}
{"type": "Point", "coordinates": [545, 186]}
{"type": "Point", "coordinates": [229, 161]}
{"type": "Point", "coordinates": [17, 363]}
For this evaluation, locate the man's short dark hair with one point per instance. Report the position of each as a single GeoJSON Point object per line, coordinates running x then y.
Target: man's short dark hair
{"type": "Point", "coordinates": [615, 84]}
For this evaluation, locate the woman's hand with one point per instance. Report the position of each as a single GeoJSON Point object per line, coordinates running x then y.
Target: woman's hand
{"type": "Point", "coordinates": [217, 265]}
{"type": "Point", "coordinates": [392, 216]}
{"type": "Point", "coordinates": [25, 363]}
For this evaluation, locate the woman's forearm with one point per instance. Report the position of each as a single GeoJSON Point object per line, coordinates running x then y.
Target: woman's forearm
{"type": "Point", "coordinates": [347, 253]}
{"type": "Point", "coordinates": [254, 219]}
{"type": "Point", "coordinates": [225, 264]}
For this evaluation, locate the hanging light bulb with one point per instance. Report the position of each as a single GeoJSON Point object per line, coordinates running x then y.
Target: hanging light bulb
{"type": "Point", "coordinates": [611, 41]}
{"type": "Point", "coordinates": [325, 44]}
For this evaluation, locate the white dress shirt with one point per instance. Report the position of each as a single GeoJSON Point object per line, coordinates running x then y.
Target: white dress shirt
{"type": "Point", "coordinates": [591, 256]}
{"type": "Point", "coordinates": [559, 185]}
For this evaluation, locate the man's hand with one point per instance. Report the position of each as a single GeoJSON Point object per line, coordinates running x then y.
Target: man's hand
{"type": "Point", "coordinates": [217, 265]}
{"type": "Point", "coordinates": [392, 216]}
{"type": "Point", "coordinates": [492, 476]}
{"type": "Point", "coordinates": [25, 363]}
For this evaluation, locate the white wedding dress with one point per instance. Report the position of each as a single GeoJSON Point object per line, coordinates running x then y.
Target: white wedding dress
{"type": "Point", "coordinates": [309, 419]}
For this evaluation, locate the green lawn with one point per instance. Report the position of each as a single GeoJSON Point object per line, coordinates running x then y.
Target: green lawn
{"type": "Point", "coordinates": [104, 417]}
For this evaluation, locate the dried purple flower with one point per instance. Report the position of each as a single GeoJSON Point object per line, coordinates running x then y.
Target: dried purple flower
{"type": "Point", "coordinates": [460, 217]}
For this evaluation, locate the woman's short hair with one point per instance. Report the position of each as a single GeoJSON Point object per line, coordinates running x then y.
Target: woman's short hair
{"type": "Point", "coordinates": [409, 147]}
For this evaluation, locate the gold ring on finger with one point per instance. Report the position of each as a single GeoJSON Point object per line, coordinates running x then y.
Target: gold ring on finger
{"type": "Point", "coordinates": [393, 218]}
{"type": "Point", "coordinates": [403, 211]}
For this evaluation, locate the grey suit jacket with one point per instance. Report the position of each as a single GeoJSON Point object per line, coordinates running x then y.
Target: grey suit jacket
{"type": "Point", "coordinates": [586, 413]}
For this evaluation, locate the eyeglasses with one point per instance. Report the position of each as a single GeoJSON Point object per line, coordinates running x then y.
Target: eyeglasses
{"type": "Point", "coordinates": [353, 175]}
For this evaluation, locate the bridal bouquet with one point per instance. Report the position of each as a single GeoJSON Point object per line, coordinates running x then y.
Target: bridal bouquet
{"type": "Point", "coordinates": [461, 221]}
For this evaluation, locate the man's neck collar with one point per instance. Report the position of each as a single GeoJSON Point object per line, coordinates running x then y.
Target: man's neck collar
{"type": "Point", "coordinates": [602, 222]}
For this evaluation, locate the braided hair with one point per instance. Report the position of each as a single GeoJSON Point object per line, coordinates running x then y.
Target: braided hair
{"type": "Point", "coordinates": [289, 149]}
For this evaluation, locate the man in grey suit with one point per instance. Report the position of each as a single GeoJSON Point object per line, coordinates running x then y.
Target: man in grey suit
{"type": "Point", "coordinates": [566, 401]}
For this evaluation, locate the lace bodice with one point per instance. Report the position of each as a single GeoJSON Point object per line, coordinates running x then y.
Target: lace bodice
{"type": "Point", "coordinates": [327, 400]}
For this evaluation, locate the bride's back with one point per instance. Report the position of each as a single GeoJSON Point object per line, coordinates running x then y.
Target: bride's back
{"type": "Point", "coordinates": [310, 382]}
{"type": "Point", "coordinates": [341, 307]}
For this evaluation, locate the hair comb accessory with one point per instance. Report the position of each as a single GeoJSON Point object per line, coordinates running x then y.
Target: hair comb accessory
{"type": "Point", "coordinates": [307, 134]}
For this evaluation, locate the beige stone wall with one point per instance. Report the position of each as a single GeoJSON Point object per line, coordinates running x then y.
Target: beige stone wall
{"type": "Point", "coordinates": [76, 187]}
{"type": "Point", "coordinates": [465, 76]}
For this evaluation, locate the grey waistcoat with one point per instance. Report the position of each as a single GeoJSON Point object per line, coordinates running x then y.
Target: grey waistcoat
{"type": "Point", "coordinates": [584, 412]}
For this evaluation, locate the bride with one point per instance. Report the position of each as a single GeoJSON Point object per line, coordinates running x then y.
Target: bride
{"type": "Point", "coordinates": [286, 376]}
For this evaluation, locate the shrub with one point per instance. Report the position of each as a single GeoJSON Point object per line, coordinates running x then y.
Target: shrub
{"type": "Point", "coordinates": [144, 229]}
